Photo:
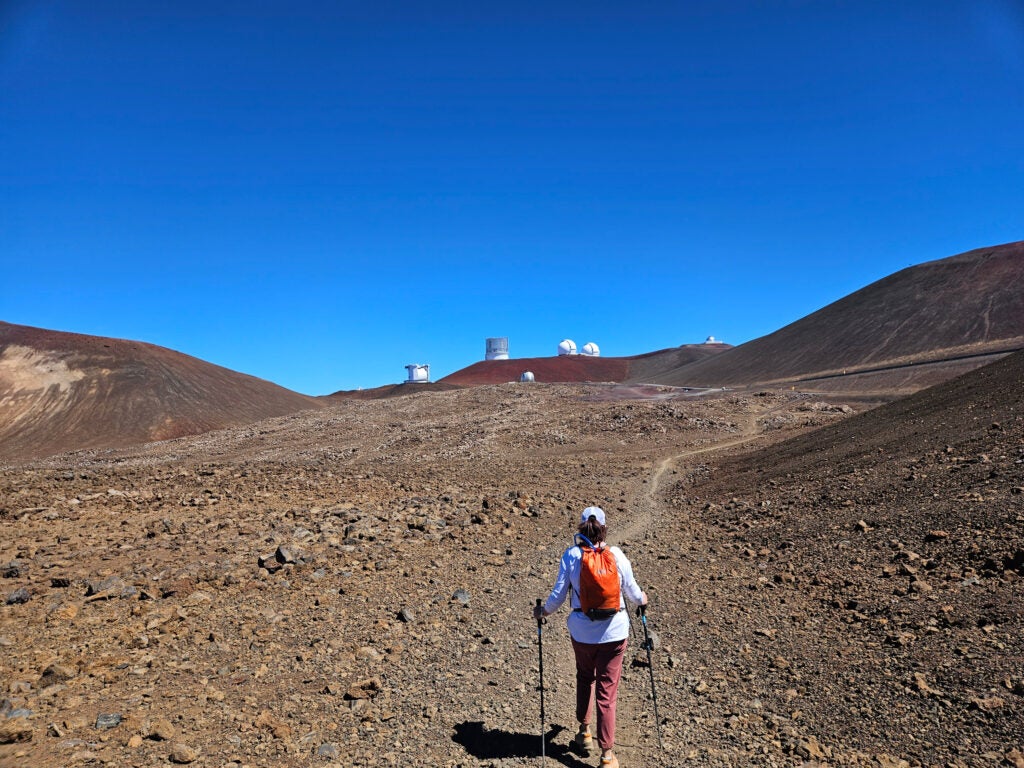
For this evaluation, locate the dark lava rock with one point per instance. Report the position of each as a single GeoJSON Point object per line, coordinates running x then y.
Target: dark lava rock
{"type": "Point", "coordinates": [111, 720]}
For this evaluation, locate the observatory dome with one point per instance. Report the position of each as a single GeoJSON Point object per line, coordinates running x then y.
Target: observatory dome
{"type": "Point", "coordinates": [567, 347]}
{"type": "Point", "coordinates": [526, 376]}
{"type": "Point", "coordinates": [712, 340]}
{"type": "Point", "coordinates": [418, 374]}
{"type": "Point", "coordinates": [591, 349]}
{"type": "Point", "coordinates": [497, 348]}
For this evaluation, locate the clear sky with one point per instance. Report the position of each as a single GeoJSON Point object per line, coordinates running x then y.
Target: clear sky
{"type": "Point", "coordinates": [318, 193]}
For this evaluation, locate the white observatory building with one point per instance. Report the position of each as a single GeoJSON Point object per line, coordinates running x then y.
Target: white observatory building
{"type": "Point", "coordinates": [526, 376]}
{"type": "Point", "coordinates": [590, 349]}
{"type": "Point", "coordinates": [497, 348]}
{"type": "Point", "coordinates": [418, 374]}
{"type": "Point", "coordinates": [566, 347]}
{"type": "Point", "coordinates": [712, 340]}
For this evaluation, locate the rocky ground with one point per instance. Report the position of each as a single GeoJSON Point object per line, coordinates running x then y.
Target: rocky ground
{"type": "Point", "coordinates": [352, 586]}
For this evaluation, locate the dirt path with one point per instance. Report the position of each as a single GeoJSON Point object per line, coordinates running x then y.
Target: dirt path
{"type": "Point", "coordinates": [636, 740]}
{"type": "Point", "coordinates": [645, 502]}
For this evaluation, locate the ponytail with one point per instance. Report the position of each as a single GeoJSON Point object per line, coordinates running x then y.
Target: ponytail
{"type": "Point", "coordinates": [593, 530]}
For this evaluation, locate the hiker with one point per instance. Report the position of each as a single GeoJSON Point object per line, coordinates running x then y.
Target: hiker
{"type": "Point", "coordinates": [598, 639]}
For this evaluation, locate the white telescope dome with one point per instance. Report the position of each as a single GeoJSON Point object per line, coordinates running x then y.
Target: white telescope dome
{"type": "Point", "coordinates": [591, 349]}
{"type": "Point", "coordinates": [712, 340]}
{"type": "Point", "coordinates": [567, 347]}
{"type": "Point", "coordinates": [526, 376]}
{"type": "Point", "coordinates": [418, 374]}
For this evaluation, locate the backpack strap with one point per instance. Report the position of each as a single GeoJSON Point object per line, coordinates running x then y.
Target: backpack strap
{"type": "Point", "coordinates": [586, 541]}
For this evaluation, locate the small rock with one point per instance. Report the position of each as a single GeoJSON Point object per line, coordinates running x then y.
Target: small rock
{"type": "Point", "coordinates": [1015, 758]}
{"type": "Point", "coordinates": [182, 754]}
{"type": "Point", "coordinates": [640, 660]}
{"type": "Point", "coordinates": [111, 720]}
{"type": "Point", "coordinates": [13, 569]}
{"type": "Point", "coordinates": [364, 689]}
{"type": "Point", "coordinates": [888, 761]}
{"type": "Point", "coordinates": [407, 616]}
{"type": "Point", "coordinates": [920, 586]}
{"type": "Point", "coordinates": [366, 652]}
{"type": "Point", "coordinates": [285, 555]}
{"type": "Point", "coordinates": [18, 596]}
{"type": "Point", "coordinates": [270, 563]}
{"type": "Point", "coordinates": [922, 686]}
{"type": "Point", "coordinates": [54, 674]}
{"type": "Point", "coordinates": [988, 704]}
{"type": "Point", "coordinates": [270, 723]}
{"type": "Point", "coordinates": [63, 611]}
{"type": "Point", "coordinates": [327, 751]}
{"type": "Point", "coordinates": [461, 596]}
{"type": "Point", "coordinates": [60, 582]}
{"type": "Point", "coordinates": [112, 585]}
{"type": "Point", "coordinates": [135, 742]}
{"type": "Point", "coordinates": [161, 729]}
{"type": "Point", "coordinates": [809, 749]}
{"type": "Point", "coordinates": [15, 731]}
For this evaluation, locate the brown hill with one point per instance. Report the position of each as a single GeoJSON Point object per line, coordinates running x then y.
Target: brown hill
{"type": "Point", "coordinates": [67, 391]}
{"type": "Point", "coordinates": [912, 329]}
{"type": "Point", "coordinates": [903, 524]}
{"type": "Point", "coordinates": [386, 391]}
{"type": "Point", "coordinates": [582, 368]}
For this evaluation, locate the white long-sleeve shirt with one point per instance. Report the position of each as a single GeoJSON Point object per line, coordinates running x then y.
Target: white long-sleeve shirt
{"type": "Point", "coordinates": [582, 629]}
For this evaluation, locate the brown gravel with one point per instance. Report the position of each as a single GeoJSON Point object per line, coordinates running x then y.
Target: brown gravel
{"type": "Point", "coordinates": [352, 586]}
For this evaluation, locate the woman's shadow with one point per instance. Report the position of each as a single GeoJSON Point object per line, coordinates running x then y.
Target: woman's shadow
{"type": "Point", "coordinates": [486, 744]}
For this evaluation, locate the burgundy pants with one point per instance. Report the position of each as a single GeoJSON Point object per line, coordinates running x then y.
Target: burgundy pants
{"type": "Point", "coordinates": [598, 668]}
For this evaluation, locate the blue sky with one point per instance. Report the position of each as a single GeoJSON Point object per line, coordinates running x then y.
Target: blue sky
{"type": "Point", "coordinates": [320, 193]}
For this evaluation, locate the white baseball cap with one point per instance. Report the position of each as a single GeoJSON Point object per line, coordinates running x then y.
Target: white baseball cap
{"type": "Point", "coordinates": [595, 512]}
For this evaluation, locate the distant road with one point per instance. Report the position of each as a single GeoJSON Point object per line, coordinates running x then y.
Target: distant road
{"type": "Point", "coordinates": [882, 368]}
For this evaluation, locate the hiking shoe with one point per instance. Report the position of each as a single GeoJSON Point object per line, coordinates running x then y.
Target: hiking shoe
{"type": "Point", "coordinates": [584, 742]}
{"type": "Point", "coordinates": [609, 761]}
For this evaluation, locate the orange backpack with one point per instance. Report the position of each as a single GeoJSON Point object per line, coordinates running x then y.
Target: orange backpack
{"type": "Point", "coordinates": [599, 581]}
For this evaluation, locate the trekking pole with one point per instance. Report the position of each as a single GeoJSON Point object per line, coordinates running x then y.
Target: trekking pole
{"type": "Point", "coordinates": [540, 651]}
{"type": "Point", "coordinates": [642, 610]}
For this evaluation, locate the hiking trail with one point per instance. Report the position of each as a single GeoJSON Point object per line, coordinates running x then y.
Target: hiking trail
{"type": "Point", "coordinates": [636, 742]}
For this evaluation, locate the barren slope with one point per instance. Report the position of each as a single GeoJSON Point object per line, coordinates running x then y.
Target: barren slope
{"type": "Point", "coordinates": [352, 586]}
{"type": "Point", "coordinates": [66, 391]}
{"type": "Point", "coordinates": [380, 506]}
{"type": "Point", "coordinates": [904, 526]}
{"type": "Point", "coordinates": [962, 309]}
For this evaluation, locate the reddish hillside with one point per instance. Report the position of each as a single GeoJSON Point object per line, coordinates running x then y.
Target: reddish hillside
{"type": "Point", "coordinates": [386, 391]}
{"type": "Point", "coordinates": [66, 391]}
{"type": "Point", "coordinates": [958, 312]}
{"type": "Point", "coordinates": [580, 368]}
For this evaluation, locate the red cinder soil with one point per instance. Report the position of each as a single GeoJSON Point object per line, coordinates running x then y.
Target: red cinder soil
{"type": "Point", "coordinates": [582, 368]}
